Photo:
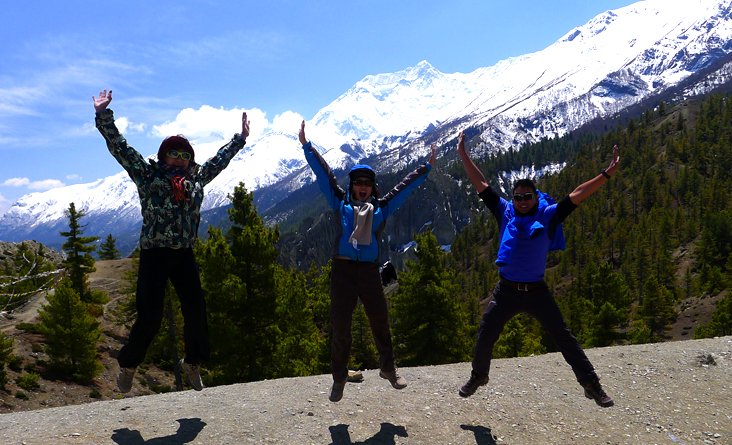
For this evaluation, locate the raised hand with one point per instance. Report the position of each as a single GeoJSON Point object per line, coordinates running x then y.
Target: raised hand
{"type": "Point", "coordinates": [432, 158]}
{"type": "Point", "coordinates": [461, 143]}
{"type": "Point", "coordinates": [614, 162]}
{"type": "Point", "coordinates": [103, 101]}
{"type": "Point", "coordinates": [301, 135]}
{"type": "Point", "coordinates": [244, 124]}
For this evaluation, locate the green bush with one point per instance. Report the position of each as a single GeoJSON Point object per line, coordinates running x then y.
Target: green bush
{"type": "Point", "coordinates": [15, 363]}
{"type": "Point", "coordinates": [95, 394]}
{"type": "Point", "coordinates": [21, 395]}
{"type": "Point", "coordinates": [161, 388]}
{"type": "Point", "coordinates": [28, 327]}
{"type": "Point", "coordinates": [28, 381]}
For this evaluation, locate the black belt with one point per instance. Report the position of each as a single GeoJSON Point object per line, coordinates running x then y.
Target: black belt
{"type": "Point", "coordinates": [524, 287]}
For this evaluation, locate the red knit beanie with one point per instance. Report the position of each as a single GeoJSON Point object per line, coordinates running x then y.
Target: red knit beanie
{"type": "Point", "coordinates": [177, 143]}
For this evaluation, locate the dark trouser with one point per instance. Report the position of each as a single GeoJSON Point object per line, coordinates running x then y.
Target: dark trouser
{"type": "Point", "coordinates": [349, 281]}
{"type": "Point", "coordinates": [508, 302]}
{"type": "Point", "coordinates": [156, 267]}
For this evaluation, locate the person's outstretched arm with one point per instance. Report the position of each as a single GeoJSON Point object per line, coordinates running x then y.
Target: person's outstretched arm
{"type": "Point", "coordinates": [324, 176]}
{"type": "Point", "coordinates": [475, 175]}
{"type": "Point", "coordinates": [586, 189]}
{"type": "Point", "coordinates": [212, 167]}
{"type": "Point", "coordinates": [128, 157]}
{"type": "Point", "coordinates": [398, 195]}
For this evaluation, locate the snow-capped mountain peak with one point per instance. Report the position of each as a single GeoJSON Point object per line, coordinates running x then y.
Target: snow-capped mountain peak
{"type": "Point", "coordinates": [617, 59]}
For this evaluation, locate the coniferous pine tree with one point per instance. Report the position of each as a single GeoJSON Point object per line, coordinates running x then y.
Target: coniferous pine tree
{"type": "Point", "coordinates": [657, 310]}
{"type": "Point", "coordinates": [318, 285]}
{"type": "Point", "coordinates": [364, 354]}
{"type": "Point", "coordinates": [108, 249]}
{"type": "Point", "coordinates": [430, 326]}
{"type": "Point", "coordinates": [6, 351]}
{"type": "Point", "coordinates": [240, 281]}
{"type": "Point", "coordinates": [71, 333]}
{"type": "Point", "coordinates": [78, 248]}
{"type": "Point", "coordinates": [300, 344]}
{"type": "Point", "coordinates": [721, 323]}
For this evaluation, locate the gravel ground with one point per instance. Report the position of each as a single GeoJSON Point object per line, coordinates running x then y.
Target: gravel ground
{"type": "Point", "coordinates": [666, 393]}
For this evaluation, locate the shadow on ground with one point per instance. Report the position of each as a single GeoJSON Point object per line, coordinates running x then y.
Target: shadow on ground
{"type": "Point", "coordinates": [187, 433]}
{"type": "Point", "coordinates": [340, 436]}
{"type": "Point", "coordinates": [483, 435]}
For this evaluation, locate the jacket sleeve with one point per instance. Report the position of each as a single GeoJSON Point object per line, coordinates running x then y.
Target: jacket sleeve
{"type": "Point", "coordinates": [211, 168]}
{"type": "Point", "coordinates": [399, 194]}
{"type": "Point", "coordinates": [324, 176]}
{"type": "Point", "coordinates": [128, 157]}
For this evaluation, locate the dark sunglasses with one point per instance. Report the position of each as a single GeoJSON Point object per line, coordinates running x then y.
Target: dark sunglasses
{"type": "Point", "coordinates": [182, 154]}
{"type": "Point", "coordinates": [525, 197]}
{"type": "Point", "coordinates": [359, 183]}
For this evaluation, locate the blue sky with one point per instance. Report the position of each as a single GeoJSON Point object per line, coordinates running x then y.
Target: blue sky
{"type": "Point", "coordinates": [274, 58]}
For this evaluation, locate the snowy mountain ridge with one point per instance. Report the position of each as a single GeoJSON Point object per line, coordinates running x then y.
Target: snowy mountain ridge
{"type": "Point", "coordinates": [616, 60]}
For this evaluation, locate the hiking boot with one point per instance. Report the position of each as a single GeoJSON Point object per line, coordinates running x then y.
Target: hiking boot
{"type": "Point", "coordinates": [472, 385]}
{"type": "Point", "coordinates": [355, 376]}
{"type": "Point", "coordinates": [336, 392]}
{"type": "Point", "coordinates": [193, 374]}
{"type": "Point", "coordinates": [593, 390]}
{"type": "Point", "coordinates": [124, 379]}
{"type": "Point", "coordinates": [394, 378]}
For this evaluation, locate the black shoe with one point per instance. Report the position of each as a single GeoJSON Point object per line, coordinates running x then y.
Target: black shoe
{"type": "Point", "coordinates": [473, 384]}
{"type": "Point", "coordinates": [593, 390]}
{"type": "Point", "coordinates": [336, 392]}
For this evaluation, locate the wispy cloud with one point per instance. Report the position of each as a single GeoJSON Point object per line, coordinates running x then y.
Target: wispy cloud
{"type": "Point", "coordinates": [73, 178]}
{"type": "Point", "coordinates": [242, 46]}
{"type": "Point", "coordinates": [46, 184]}
{"type": "Point", "coordinates": [4, 205]}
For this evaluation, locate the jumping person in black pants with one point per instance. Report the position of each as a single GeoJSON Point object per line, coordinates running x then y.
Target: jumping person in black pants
{"type": "Point", "coordinates": [530, 228]}
{"type": "Point", "coordinates": [360, 217]}
{"type": "Point", "coordinates": [171, 192]}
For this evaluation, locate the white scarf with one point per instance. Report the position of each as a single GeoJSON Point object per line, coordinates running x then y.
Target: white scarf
{"type": "Point", "coordinates": [363, 216]}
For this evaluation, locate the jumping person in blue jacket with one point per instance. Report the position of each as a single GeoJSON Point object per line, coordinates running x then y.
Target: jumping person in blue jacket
{"type": "Point", "coordinates": [530, 226]}
{"type": "Point", "coordinates": [361, 214]}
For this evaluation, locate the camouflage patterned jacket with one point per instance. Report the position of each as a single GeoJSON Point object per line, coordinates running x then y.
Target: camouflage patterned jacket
{"type": "Point", "coordinates": [165, 221]}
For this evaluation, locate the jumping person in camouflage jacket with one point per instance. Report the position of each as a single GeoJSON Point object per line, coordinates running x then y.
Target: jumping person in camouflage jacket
{"type": "Point", "coordinates": [171, 193]}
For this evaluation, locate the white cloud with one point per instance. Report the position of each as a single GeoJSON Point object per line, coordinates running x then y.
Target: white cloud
{"type": "Point", "coordinates": [125, 126]}
{"type": "Point", "coordinates": [287, 122]}
{"type": "Point", "coordinates": [73, 177]}
{"type": "Point", "coordinates": [46, 184]}
{"type": "Point", "coordinates": [17, 182]}
{"type": "Point", "coordinates": [4, 205]}
{"type": "Point", "coordinates": [208, 124]}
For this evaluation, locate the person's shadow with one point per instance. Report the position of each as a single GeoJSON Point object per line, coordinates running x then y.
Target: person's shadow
{"type": "Point", "coordinates": [340, 436]}
{"type": "Point", "coordinates": [187, 433]}
{"type": "Point", "coordinates": [483, 435]}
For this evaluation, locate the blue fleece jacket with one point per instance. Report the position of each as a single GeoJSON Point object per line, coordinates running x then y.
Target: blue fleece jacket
{"type": "Point", "coordinates": [339, 201]}
{"type": "Point", "coordinates": [526, 241]}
